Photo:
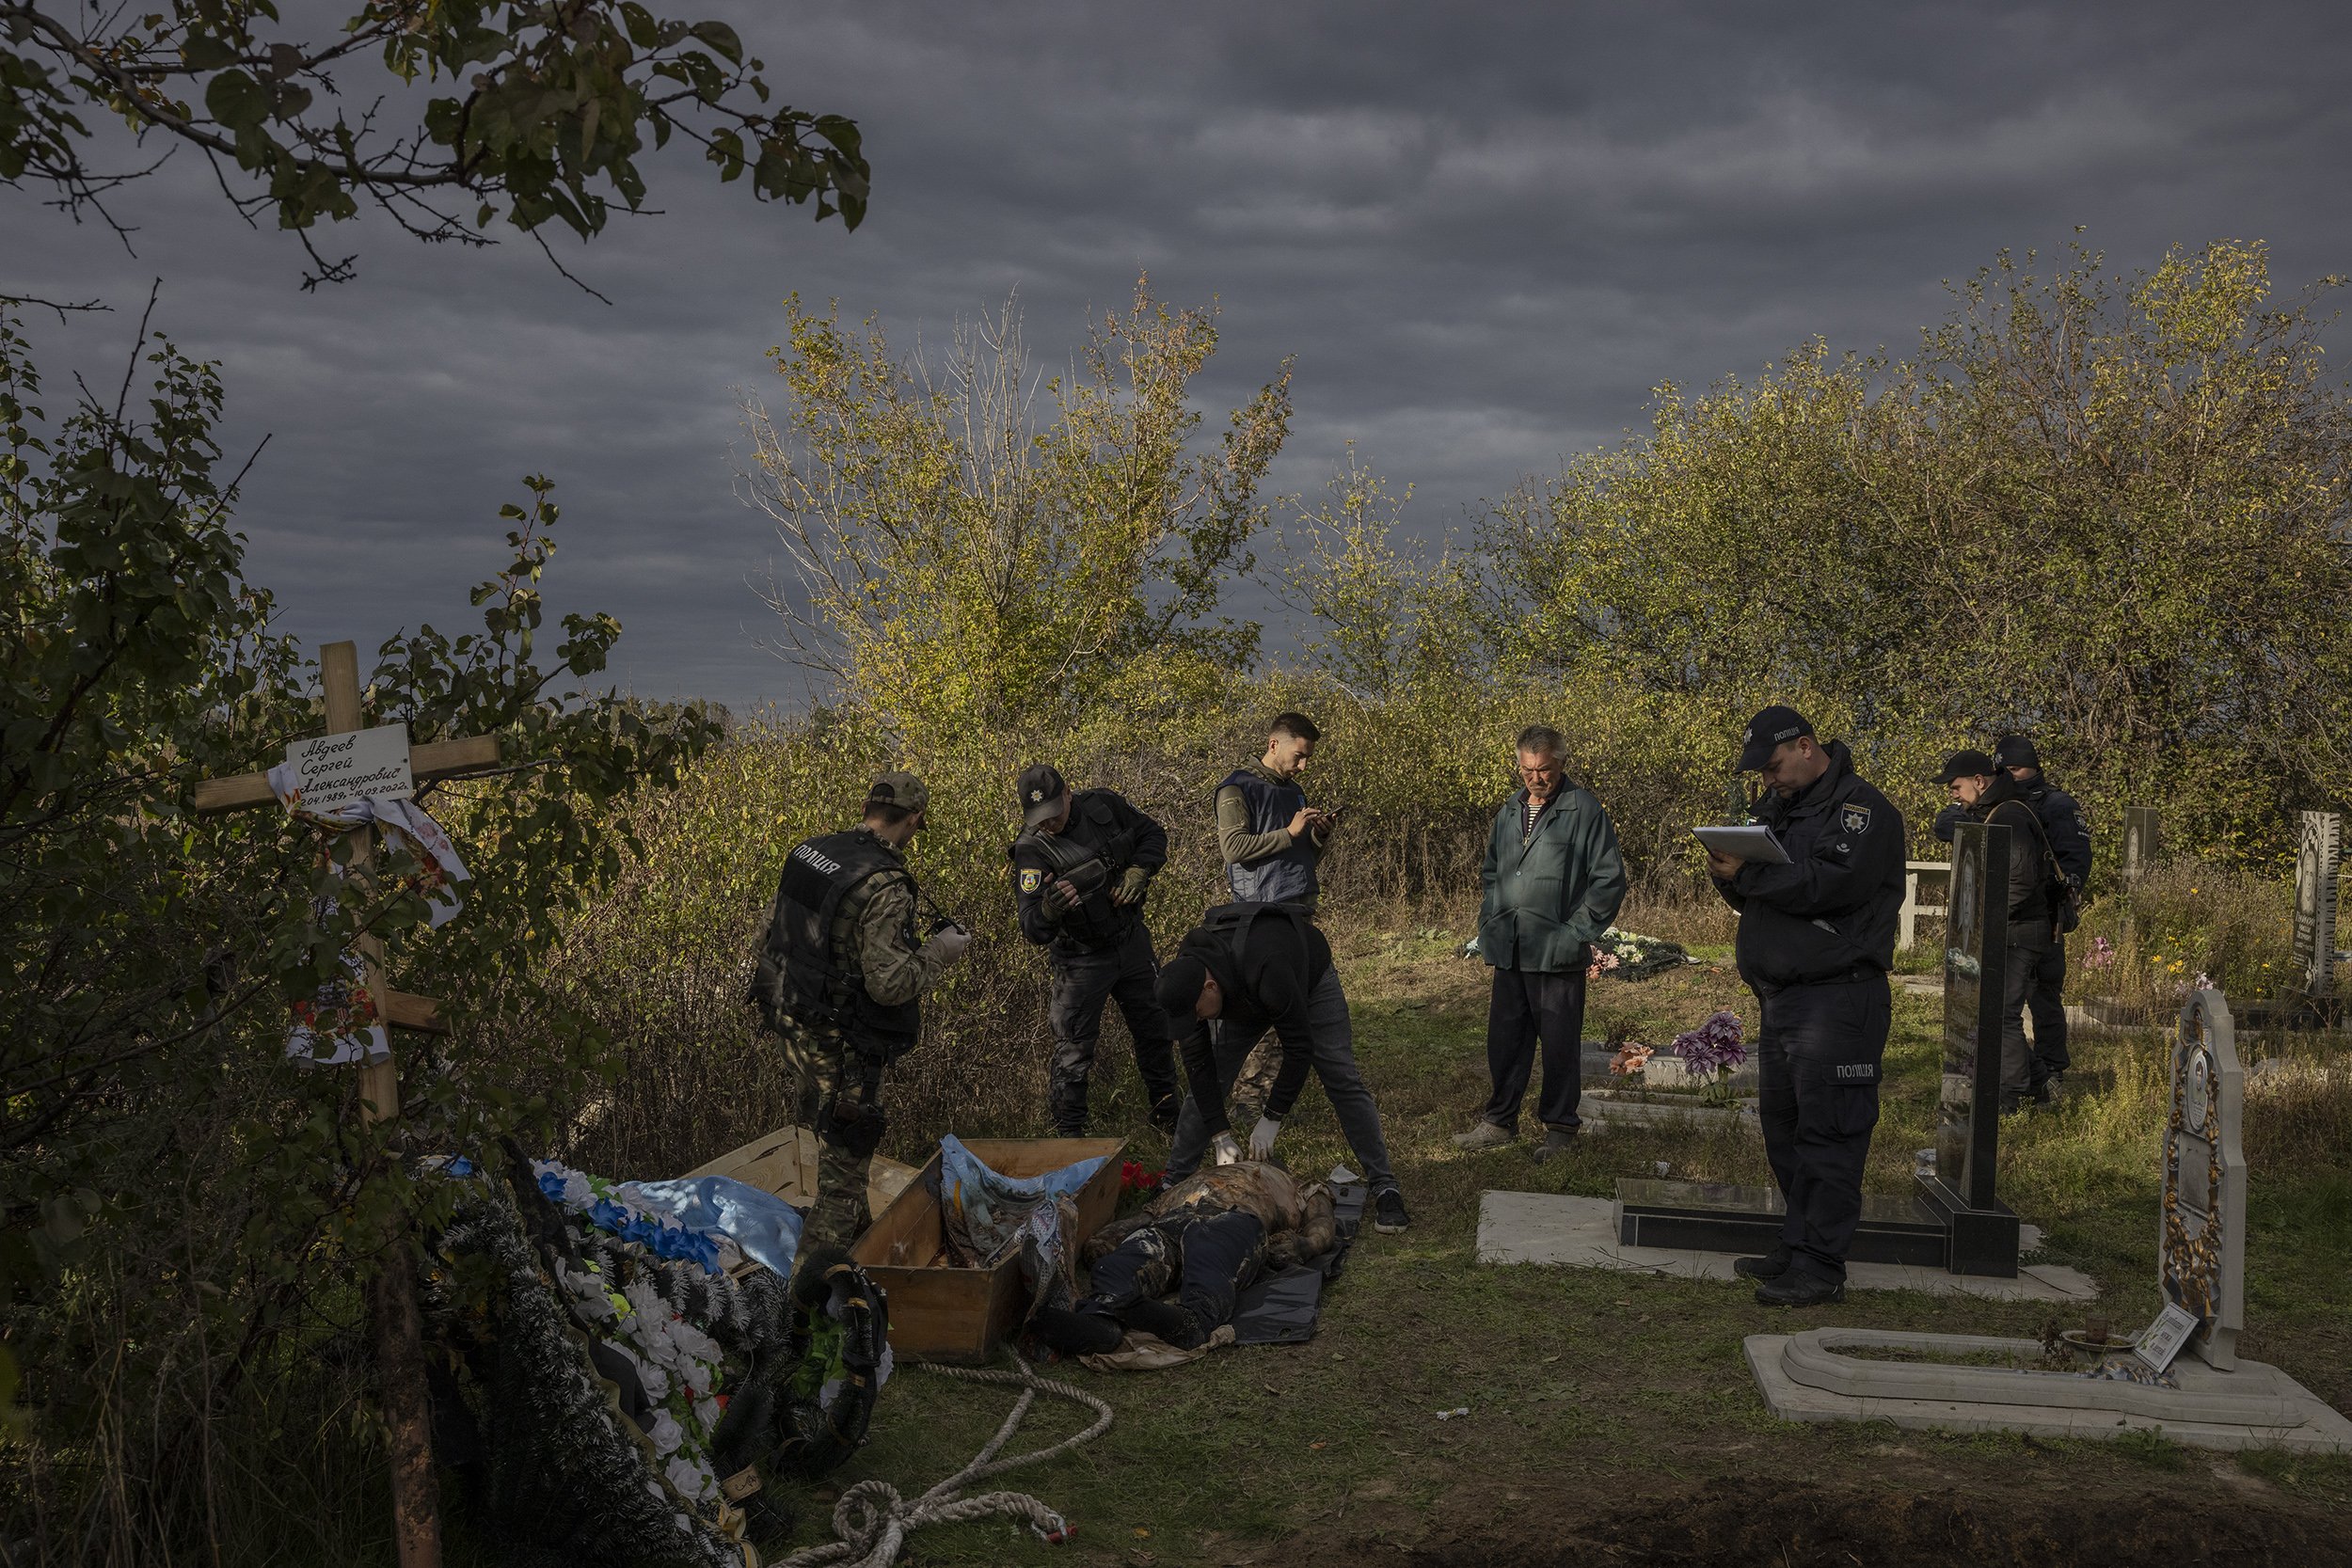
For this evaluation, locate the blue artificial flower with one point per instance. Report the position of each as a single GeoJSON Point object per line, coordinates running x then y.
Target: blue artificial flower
{"type": "Point", "coordinates": [459, 1165]}
{"type": "Point", "coordinates": [552, 1186]}
{"type": "Point", "coordinates": [609, 1215]}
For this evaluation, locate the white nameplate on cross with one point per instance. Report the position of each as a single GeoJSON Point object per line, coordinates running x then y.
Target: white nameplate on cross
{"type": "Point", "coordinates": [334, 770]}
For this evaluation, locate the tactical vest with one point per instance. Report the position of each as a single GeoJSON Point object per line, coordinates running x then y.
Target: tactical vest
{"type": "Point", "coordinates": [809, 972]}
{"type": "Point", "coordinates": [1228, 925]}
{"type": "Point", "coordinates": [1091, 854]}
{"type": "Point", "coordinates": [1286, 878]}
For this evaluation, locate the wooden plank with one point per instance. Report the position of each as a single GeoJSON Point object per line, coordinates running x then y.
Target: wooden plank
{"type": "Point", "coordinates": [406, 1011]}
{"type": "Point", "coordinates": [435, 759]}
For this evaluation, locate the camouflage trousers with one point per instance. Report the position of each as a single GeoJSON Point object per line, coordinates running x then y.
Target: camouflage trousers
{"type": "Point", "coordinates": [821, 1068]}
{"type": "Point", "coordinates": [1258, 1072]}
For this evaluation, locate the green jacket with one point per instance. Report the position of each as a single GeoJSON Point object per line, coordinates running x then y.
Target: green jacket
{"type": "Point", "coordinates": [1550, 894]}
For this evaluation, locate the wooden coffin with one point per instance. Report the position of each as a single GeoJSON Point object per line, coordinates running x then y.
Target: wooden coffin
{"type": "Point", "coordinates": [941, 1313]}
{"type": "Point", "coordinates": [784, 1162]}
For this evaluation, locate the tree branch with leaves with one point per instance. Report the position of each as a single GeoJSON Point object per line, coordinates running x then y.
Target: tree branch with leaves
{"type": "Point", "coordinates": [537, 111]}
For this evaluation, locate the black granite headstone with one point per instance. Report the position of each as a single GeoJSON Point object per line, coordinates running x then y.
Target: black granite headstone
{"type": "Point", "coordinates": [1981, 1230]}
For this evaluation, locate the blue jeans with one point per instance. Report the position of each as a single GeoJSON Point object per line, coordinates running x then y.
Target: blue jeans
{"type": "Point", "coordinates": [1335, 1064]}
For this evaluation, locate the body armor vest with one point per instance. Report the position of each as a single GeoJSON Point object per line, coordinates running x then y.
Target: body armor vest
{"type": "Point", "coordinates": [1286, 878]}
{"type": "Point", "coordinates": [809, 972]}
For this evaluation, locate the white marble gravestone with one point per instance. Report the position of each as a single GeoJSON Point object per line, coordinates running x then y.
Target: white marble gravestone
{"type": "Point", "coordinates": [2200, 1244]}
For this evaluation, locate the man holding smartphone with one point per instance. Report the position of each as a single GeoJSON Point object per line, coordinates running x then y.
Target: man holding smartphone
{"type": "Point", "coordinates": [1274, 843]}
{"type": "Point", "coordinates": [1271, 838]}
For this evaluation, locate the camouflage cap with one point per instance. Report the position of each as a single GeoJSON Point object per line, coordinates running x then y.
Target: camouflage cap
{"type": "Point", "coordinates": [903, 790]}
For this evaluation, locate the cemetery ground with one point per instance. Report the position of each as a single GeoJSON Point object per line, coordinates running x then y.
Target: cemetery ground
{"type": "Point", "coordinates": [1613, 1412]}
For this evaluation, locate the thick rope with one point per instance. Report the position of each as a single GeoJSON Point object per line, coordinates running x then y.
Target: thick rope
{"type": "Point", "coordinates": [873, 1521]}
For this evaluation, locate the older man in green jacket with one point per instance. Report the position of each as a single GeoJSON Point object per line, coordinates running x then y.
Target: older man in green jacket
{"type": "Point", "coordinates": [1553, 881]}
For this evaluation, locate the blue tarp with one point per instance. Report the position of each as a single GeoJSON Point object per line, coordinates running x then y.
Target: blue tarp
{"type": "Point", "coordinates": [763, 1225]}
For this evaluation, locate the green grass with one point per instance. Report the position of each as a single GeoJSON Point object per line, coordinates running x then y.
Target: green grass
{"type": "Point", "coordinates": [1587, 1387]}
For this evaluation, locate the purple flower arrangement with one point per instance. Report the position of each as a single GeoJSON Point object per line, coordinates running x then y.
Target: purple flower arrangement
{"type": "Point", "coordinates": [1710, 1052]}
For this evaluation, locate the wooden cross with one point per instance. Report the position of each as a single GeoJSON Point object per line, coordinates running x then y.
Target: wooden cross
{"type": "Point", "coordinates": [399, 1334]}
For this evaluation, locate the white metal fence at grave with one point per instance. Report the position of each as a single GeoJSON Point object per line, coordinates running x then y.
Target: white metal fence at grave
{"type": "Point", "coordinates": [1907, 930]}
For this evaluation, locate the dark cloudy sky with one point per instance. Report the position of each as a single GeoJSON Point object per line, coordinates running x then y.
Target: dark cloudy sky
{"type": "Point", "coordinates": [1484, 231]}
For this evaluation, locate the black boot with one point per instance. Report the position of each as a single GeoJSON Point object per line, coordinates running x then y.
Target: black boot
{"type": "Point", "coordinates": [1801, 1288]}
{"type": "Point", "coordinates": [1066, 1107]}
{"type": "Point", "coordinates": [1167, 1322]}
{"type": "Point", "coordinates": [1077, 1333]}
{"type": "Point", "coordinates": [1770, 1266]}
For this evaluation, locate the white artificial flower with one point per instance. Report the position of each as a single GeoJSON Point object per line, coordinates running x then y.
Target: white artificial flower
{"type": "Point", "coordinates": [692, 1477]}
{"type": "Point", "coordinates": [666, 1433]}
{"type": "Point", "coordinates": [694, 1342]}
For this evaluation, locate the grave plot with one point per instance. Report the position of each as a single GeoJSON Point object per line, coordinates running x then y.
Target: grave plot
{"type": "Point", "coordinates": [2181, 1376]}
{"type": "Point", "coordinates": [1953, 1220]}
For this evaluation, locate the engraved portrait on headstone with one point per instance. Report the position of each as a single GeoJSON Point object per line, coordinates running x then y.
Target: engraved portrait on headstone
{"type": "Point", "coordinates": [2200, 1246]}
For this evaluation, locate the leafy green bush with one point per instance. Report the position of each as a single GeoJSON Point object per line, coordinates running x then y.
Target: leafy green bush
{"type": "Point", "coordinates": [184, 1215]}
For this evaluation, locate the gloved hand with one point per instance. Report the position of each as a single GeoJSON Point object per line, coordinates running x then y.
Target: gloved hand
{"type": "Point", "coordinates": [948, 946]}
{"type": "Point", "coordinates": [1060, 896]}
{"type": "Point", "coordinates": [1132, 883]}
{"type": "Point", "coordinates": [1263, 1135]}
{"type": "Point", "coordinates": [1223, 1150]}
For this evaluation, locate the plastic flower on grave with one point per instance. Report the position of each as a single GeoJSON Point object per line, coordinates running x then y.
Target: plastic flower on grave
{"type": "Point", "coordinates": [1711, 1053]}
{"type": "Point", "coordinates": [1631, 1057]}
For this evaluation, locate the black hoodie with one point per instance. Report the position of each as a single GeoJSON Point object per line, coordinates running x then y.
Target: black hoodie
{"type": "Point", "coordinates": [2030, 872]}
{"type": "Point", "coordinates": [1267, 963]}
{"type": "Point", "coordinates": [1830, 914]}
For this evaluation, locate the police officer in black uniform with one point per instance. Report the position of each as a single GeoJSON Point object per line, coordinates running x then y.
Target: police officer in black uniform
{"type": "Point", "coordinates": [2068, 837]}
{"type": "Point", "coordinates": [1817, 938]}
{"type": "Point", "coordinates": [1081, 869]}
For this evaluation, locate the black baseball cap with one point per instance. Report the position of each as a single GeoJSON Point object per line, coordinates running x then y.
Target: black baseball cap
{"type": "Point", "coordinates": [1964, 765]}
{"type": "Point", "coordinates": [1178, 989]}
{"type": "Point", "coordinates": [1040, 788]}
{"type": "Point", "coordinates": [2015, 751]}
{"type": "Point", "coordinates": [1766, 733]}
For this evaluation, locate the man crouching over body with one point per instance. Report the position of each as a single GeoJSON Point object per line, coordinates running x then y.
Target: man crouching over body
{"type": "Point", "coordinates": [1207, 1238]}
{"type": "Point", "coordinates": [1254, 968]}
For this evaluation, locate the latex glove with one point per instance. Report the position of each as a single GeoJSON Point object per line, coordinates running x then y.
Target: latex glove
{"type": "Point", "coordinates": [1223, 1150]}
{"type": "Point", "coordinates": [1132, 885]}
{"type": "Point", "coordinates": [1262, 1137]}
{"type": "Point", "coordinates": [948, 946]}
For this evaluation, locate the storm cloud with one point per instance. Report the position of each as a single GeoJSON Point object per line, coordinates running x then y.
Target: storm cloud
{"type": "Point", "coordinates": [1484, 233]}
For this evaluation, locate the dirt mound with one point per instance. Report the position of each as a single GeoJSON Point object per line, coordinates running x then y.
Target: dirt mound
{"type": "Point", "coordinates": [1808, 1527]}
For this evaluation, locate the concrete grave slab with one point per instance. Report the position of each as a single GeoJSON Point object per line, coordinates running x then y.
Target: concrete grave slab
{"type": "Point", "coordinates": [1566, 1231]}
{"type": "Point", "coordinates": [1809, 1377]}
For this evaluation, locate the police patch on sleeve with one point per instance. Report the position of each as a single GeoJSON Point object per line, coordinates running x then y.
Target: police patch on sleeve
{"type": "Point", "coordinates": [1031, 879]}
{"type": "Point", "coordinates": [1854, 820]}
